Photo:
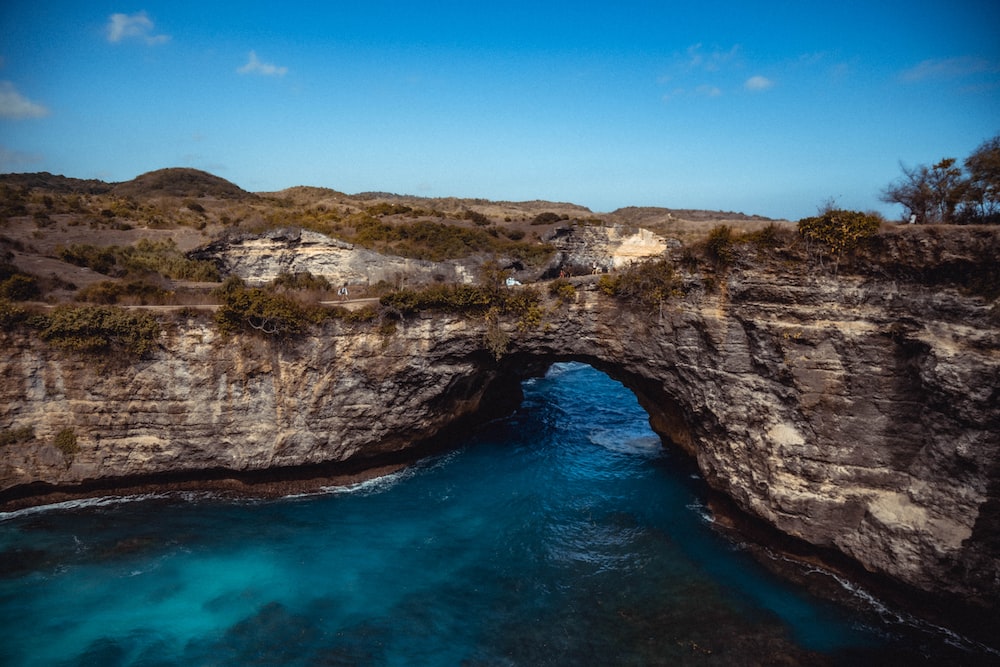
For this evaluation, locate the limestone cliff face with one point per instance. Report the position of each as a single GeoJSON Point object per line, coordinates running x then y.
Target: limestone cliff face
{"type": "Point", "coordinates": [857, 413]}
{"type": "Point", "coordinates": [204, 402]}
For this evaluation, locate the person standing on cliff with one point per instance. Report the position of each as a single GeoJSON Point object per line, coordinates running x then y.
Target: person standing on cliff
{"type": "Point", "coordinates": [343, 292]}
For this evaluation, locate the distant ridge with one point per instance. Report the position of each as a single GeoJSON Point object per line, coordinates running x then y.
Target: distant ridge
{"type": "Point", "coordinates": [185, 182]}
{"type": "Point", "coordinates": [43, 180]}
{"type": "Point", "coordinates": [637, 215]}
{"type": "Point", "coordinates": [171, 182]}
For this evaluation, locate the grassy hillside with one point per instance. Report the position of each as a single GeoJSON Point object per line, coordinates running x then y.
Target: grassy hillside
{"type": "Point", "coordinates": [72, 236]}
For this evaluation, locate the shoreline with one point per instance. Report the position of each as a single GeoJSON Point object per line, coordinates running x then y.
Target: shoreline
{"type": "Point", "coordinates": [264, 485]}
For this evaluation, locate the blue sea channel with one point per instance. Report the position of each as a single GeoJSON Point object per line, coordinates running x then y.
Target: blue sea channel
{"type": "Point", "coordinates": [565, 534]}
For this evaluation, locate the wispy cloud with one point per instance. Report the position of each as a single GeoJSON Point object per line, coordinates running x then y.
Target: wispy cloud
{"type": "Point", "coordinates": [703, 90]}
{"type": "Point", "coordinates": [256, 66]}
{"type": "Point", "coordinates": [136, 26]}
{"type": "Point", "coordinates": [711, 60]}
{"type": "Point", "coordinates": [758, 83]}
{"type": "Point", "coordinates": [700, 72]}
{"type": "Point", "coordinates": [15, 105]}
{"type": "Point", "coordinates": [949, 68]}
{"type": "Point", "coordinates": [10, 160]}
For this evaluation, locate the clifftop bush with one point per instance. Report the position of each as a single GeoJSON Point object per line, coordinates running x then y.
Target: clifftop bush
{"type": "Point", "coordinates": [258, 310]}
{"type": "Point", "coordinates": [838, 230]}
{"type": "Point", "coordinates": [444, 298]}
{"type": "Point", "coordinates": [648, 283]}
{"type": "Point", "coordinates": [719, 245]}
{"type": "Point", "coordinates": [100, 329]}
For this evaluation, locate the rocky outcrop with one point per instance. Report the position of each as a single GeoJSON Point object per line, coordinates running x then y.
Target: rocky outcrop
{"type": "Point", "coordinates": [598, 248]}
{"type": "Point", "coordinates": [860, 413]}
{"type": "Point", "coordinates": [259, 259]}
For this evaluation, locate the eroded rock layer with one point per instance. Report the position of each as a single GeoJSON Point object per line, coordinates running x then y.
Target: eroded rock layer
{"type": "Point", "coordinates": [860, 414]}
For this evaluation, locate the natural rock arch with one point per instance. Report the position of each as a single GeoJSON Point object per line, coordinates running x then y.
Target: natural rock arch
{"type": "Point", "coordinates": [843, 424]}
{"type": "Point", "coordinates": [856, 417]}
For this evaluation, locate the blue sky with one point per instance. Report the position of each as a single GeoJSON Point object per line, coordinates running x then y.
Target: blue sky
{"type": "Point", "coordinates": [761, 107]}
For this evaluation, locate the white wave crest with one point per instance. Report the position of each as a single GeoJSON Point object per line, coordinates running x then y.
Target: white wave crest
{"type": "Point", "coordinates": [82, 503]}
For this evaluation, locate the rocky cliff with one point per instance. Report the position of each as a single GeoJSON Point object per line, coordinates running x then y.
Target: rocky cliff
{"type": "Point", "coordinates": [858, 412]}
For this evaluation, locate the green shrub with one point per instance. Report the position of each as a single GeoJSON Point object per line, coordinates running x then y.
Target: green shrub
{"type": "Point", "coordinates": [361, 315]}
{"type": "Point", "coordinates": [438, 241]}
{"type": "Point", "coordinates": [719, 245]}
{"type": "Point", "coordinates": [495, 338]}
{"type": "Point", "coordinates": [100, 329]}
{"type": "Point", "coordinates": [260, 311]}
{"type": "Point", "coordinates": [101, 260]}
{"type": "Point", "coordinates": [445, 298]}
{"type": "Point", "coordinates": [840, 231]}
{"type": "Point", "coordinates": [11, 315]}
{"type": "Point", "coordinates": [767, 237]}
{"type": "Point", "coordinates": [521, 302]}
{"type": "Point", "coordinates": [463, 300]}
{"type": "Point", "coordinates": [165, 258]}
{"type": "Point", "coordinates": [20, 287]}
{"type": "Point", "coordinates": [14, 436]}
{"type": "Point", "coordinates": [304, 281]}
{"type": "Point", "coordinates": [476, 217]}
{"type": "Point", "coordinates": [146, 256]}
{"type": "Point", "coordinates": [563, 290]}
{"type": "Point", "coordinates": [385, 208]}
{"type": "Point", "coordinates": [109, 292]}
{"type": "Point", "coordinates": [546, 218]}
{"type": "Point", "coordinates": [648, 283]}
{"type": "Point", "coordinates": [65, 442]}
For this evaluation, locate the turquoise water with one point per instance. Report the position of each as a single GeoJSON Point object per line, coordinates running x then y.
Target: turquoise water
{"type": "Point", "coordinates": [563, 535]}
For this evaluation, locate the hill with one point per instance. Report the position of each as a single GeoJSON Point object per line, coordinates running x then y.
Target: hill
{"type": "Point", "coordinates": [73, 234]}
{"type": "Point", "coordinates": [56, 184]}
{"type": "Point", "coordinates": [180, 182]}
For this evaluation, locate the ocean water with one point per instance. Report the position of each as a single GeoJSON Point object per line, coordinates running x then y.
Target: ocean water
{"type": "Point", "coordinates": [562, 535]}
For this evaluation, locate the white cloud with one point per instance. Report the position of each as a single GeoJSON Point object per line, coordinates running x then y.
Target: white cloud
{"type": "Point", "coordinates": [949, 68]}
{"type": "Point", "coordinates": [133, 26]}
{"type": "Point", "coordinates": [758, 82]}
{"type": "Point", "coordinates": [10, 159]}
{"type": "Point", "coordinates": [255, 66]}
{"type": "Point", "coordinates": [708, 90]}
{"type": "Point", "coordinates": [15, 105]}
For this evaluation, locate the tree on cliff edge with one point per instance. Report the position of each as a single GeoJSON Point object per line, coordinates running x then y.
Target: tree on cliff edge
{"type": "Point", "coordinates": [945, 193]}
{"type": "Point", "coordinates": [983, 193]}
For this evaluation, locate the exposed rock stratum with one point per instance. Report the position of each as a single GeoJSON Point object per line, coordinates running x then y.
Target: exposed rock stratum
{"type": "Point", "coordinates": [860, 413]}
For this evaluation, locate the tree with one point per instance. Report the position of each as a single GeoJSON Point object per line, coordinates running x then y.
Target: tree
{"type": "Point", "coordinates": [932, 194]}
{"type": "Point", "coordinates": [982, 197]}
{"type": "Point", "coordinates": [945, 193]}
